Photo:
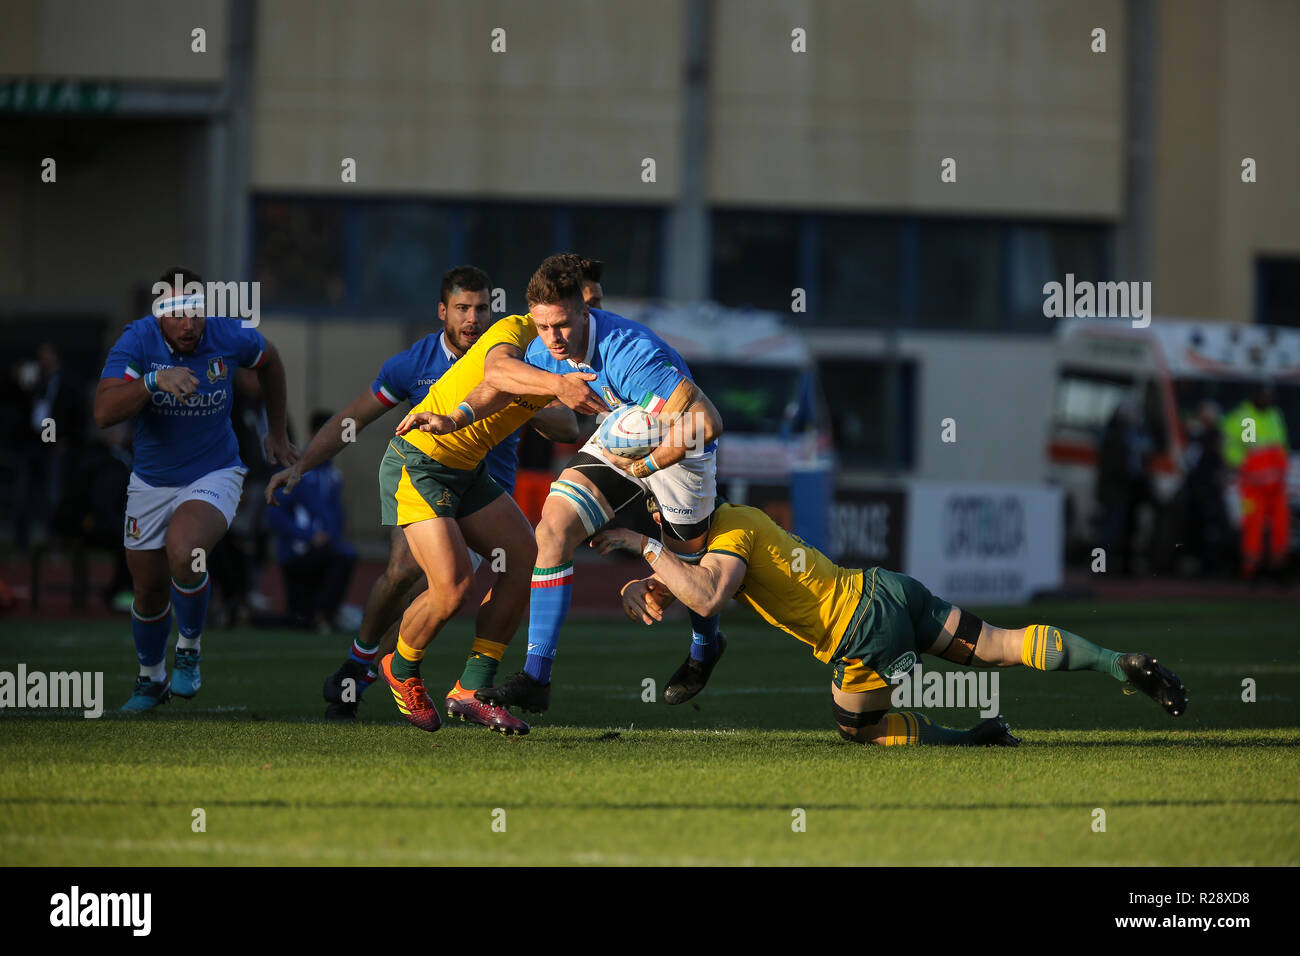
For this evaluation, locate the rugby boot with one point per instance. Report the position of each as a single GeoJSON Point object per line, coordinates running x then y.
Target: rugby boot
{"type": "Point", "coordinates": [463, 705]}
{"type": "Point", "coordinates": [689, 679]}
{"type": "Point", "coordinates": [1155, 680]}
{"type": "Point", "coordinates": [412, 699]}
{"type": "Point", "coordinates": [519, 690]}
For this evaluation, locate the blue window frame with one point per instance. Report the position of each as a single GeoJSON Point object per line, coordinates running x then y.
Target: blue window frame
{"type": "Point", "coordinates": [385, 257]}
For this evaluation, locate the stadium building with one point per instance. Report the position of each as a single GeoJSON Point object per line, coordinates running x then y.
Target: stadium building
{"type": "Point", "coordinates": [913, 201]}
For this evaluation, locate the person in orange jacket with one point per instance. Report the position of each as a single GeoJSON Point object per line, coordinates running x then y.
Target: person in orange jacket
{"type": "Point", "coordinates": [1255, 444]}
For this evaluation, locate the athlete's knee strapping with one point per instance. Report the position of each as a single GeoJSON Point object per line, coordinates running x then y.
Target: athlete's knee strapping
{"type": "Point", "coordinates": [966, 637]}
{"type": "Point", "coordinates": [854, 720]}
{"type": "Point", "coordinates": [592, 513]}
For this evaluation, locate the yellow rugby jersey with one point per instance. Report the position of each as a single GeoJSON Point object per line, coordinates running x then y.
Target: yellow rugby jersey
{"type": "Point", "coordinates": [466, 447]}
{"type": "Point", "coordinates": [815, 604]}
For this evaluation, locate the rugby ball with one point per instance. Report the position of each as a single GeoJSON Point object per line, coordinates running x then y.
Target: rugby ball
{"type": "Point", "coordinates": [629, 431]}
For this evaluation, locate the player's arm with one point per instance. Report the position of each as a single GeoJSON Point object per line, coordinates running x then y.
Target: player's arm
{"type": "Point", "coordinates": [557, 422]}
{"type": "Point", "coordinates": [328, 441]}
{"type": "Point", "coordinates": [270, 375]}
{"type": "Point", "coordinates": [704, 588]}
{"type": "Point", "coordinates": [506, 371]}
{"type": "Point", "coordinates": [486, 399]}
{"type": "Point", "coordinates": [117, 399]}
{"type": "Point", "coordinates": [688, 421]}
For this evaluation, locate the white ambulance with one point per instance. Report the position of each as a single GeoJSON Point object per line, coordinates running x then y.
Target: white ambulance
{"type": "Point", "coordinates": [1168, 369]}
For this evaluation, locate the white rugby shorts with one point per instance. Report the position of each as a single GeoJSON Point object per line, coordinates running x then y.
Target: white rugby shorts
{"type": "Point", "coordinates": [149, 509]}
{"type": "Point", "coordinates": [686, 492]}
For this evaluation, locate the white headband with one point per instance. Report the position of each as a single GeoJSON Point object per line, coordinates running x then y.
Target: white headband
{"type": "Point", "coordinates": [181, 305]}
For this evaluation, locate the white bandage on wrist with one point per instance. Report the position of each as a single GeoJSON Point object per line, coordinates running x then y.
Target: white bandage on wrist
{"type": "Point", "coordinates": [651, 550]}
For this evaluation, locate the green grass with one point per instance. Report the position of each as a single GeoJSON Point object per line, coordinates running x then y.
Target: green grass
{"type": "Point", "coordinates": [608, 779]}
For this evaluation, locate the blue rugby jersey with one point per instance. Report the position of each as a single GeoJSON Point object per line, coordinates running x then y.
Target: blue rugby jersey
{"type": "Point", "coordinates": [179, 442]}
{"type": "Point", "coordinates": [631, 363]}
{"type": "Point", "coordinates": [408, 376]}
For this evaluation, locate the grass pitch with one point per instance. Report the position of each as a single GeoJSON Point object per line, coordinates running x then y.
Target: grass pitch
{"type": "Point", "coordinates": [606, 778]}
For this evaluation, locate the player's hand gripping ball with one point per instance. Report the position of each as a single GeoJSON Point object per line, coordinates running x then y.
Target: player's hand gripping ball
{"type": "Point", "coordinates": [629, 432]}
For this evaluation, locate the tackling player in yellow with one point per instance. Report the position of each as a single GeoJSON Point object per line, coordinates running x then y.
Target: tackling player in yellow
{"type": "Point", "coordinates": [434, 484]}
{"type": "Point", "coordinates": [870, 626]}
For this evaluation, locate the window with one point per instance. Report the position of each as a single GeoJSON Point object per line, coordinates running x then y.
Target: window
{"type": "Point", "coordinates": [386, 257]}
{"type": "Point", "coordinates": [1277, 292]}
{"type": "Point", "coordinates": [867, 429]}
{"type": "Point", "coordinates": [628, 240]}
{"type": "Point", "coordinates": [859, 271]}
{"type": "Point", "coordinates": [958, 274]}
{"type": "Point", "coordinates": [1038, 254]}
{"type": "Point", "coordinates": [404, 251]}
{"type": "Point", "coordinates": [1086, 400]}
{"type": "Point", "coordinates": [753, 399]}
{"type": "Point", "coordinates": [299, 253]}
{"type": "Point", "coordinates": [510, 242]}
{"type": "Point", "coordinates": [755, 259]}
{"type": "Point", "coordinates": [880, 270]}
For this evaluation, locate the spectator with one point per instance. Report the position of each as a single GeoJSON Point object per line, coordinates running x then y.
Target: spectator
{"type": "Point", "coordinates": [51, 427]}
{"type": "Point", "coordinates": [93, 503]}
{"type": "Point", "coordinates": [316, 562]}
{"type": "Point", "coordinates": [1255, 443]}
{"type": "Point", "coordinates": [1204, 488]}
{"type": "Point", "coordinates": [1122, 484]}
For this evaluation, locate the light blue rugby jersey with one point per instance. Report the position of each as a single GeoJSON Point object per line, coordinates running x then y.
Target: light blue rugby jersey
{"type": "Point", "coordinates": [179, 442]}
{"type": "Point", "coordinates": [409, 375]}
{"type": "Point", "coordinates": [631, 363]}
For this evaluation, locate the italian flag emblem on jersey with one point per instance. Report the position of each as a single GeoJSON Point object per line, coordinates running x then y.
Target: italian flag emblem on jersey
{"type": "Point", "coordinates": [652, 403]}
{"type": "Point", "coordinates": [216, 369]}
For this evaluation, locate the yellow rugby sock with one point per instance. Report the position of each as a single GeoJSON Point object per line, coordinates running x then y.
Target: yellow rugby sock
{"type": "Point", "coordinates": [1048, 648]}
{"type": "Point", "coordinates": [406, 662]}
{"type": "Point", "coordinates": [905, 727]}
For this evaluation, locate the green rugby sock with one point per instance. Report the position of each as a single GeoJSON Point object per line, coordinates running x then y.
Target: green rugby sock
{"type": "Point", "coordinates": [481, 665]}
{"type": "Point", "coordinates": [1048, 648]}
{"type": "Point", "coordinates": [406, 661]}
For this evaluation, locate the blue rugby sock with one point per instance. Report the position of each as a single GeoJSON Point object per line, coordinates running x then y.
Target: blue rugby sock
{"type": "Point", "coordinates": [150, 634]}
{"type": "Point", "coordinates": [191, 604]}
{"type": "Point", "coordinates": [549, 606]}
{"type": "Point", "coordinates": [704, 637]}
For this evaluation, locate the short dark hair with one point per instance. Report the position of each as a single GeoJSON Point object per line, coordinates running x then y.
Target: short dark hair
{"type": "Point", "coordinates": [187, 276]}
{"type": "Point", "coordinates": [591, 269]}
{"type": "Point", "coordinates": [319, 417]}
{"type": "Point", "coordinates": [559, 277]}
{"type": "Point", "coordinates": [464, 278]}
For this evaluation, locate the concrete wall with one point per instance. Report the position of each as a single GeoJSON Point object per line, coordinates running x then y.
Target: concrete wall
{"type": "Point", "coordinates": [1227, 76]}
{"type": "Point", "coordinates": [127, 203]}
{"type": "Point", "coordinates": [583, 92]}
{"type": "Point", "coordinates": [128, 40]}
{"type": "Point", "coordinates": [863, 119]}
